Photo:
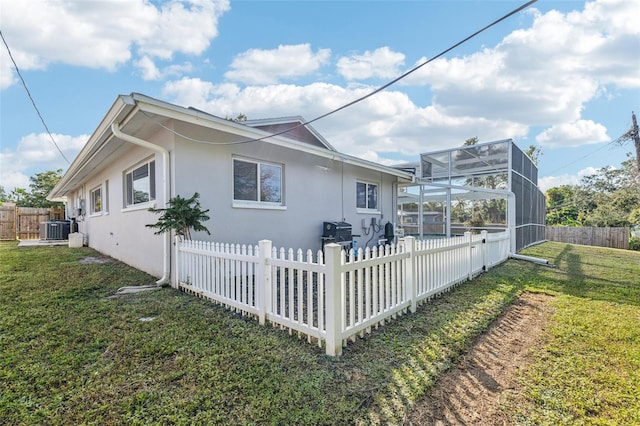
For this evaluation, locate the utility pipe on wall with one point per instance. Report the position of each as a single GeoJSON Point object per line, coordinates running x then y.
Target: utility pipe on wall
{"type": "Point", "coordinates": [511, 221]}
{"type": "Point", "coordinates": [115, 129]}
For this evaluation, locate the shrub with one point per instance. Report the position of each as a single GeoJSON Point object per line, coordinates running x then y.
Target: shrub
{"type": "Point", "coordinates": [182, 215]}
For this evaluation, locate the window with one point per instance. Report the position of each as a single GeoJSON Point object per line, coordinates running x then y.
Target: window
{"type": "Point", "coordinates": [258, 182]}
{"type": "Point", "coordinates": [140, 184]}
{"type": "Point", "coordinates": [96, 200]}
{"type": "Point", "coordinates": [366, 196]}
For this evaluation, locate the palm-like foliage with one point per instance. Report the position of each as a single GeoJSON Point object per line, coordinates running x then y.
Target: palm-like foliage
{"type": "Point", "coordinates": [182, 215]}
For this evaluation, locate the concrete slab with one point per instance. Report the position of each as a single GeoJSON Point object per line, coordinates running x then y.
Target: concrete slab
{"type": "Point", "coordinates": [42, 243]}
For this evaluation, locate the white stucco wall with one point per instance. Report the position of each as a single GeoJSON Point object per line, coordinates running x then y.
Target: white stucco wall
{"type": "Point", "coordinates": [118, 232]}
{"type": "Point", "coordinates": [315, 190]}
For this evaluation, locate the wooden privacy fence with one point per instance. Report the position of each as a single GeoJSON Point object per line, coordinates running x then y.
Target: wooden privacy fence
{"type": "Point", "coordinates": [334, 296]}
{"type": "Point", "coordinates": [7, 223]}
{"type": "Point", "coordinates": [23, 223]}
{"type": "Point", "coordinates": [590, 236]}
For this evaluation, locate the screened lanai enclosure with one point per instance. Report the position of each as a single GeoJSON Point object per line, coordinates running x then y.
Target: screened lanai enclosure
{"type": "Point", "coordinates": [489, 186]}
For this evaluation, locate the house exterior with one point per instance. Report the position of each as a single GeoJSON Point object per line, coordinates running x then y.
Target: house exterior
{"type": "Point", "coordinates": [261, 179]}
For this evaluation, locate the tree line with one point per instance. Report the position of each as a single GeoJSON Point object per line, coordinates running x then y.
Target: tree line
{"type": "Point", "coordinates": [40, 186]}
{"type": "Point", "coordinates": [609, 197]}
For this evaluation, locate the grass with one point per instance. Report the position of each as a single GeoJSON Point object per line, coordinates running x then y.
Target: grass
{"type": "Point", "coordinates": [71, 355]}
{"type": "Point", "coordinates": [587, 370]}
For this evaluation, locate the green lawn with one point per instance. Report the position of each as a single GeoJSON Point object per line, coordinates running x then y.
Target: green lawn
{"type": "Point", "coordinates": [588, 369]}
{"type": "Point", "coordinates": [71, 355]}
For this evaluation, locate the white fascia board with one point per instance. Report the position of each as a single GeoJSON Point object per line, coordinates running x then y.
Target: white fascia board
{"type": "Point", "coordinates": [121, 107]}
{"type": "Point", "coordinates": [275, 120]}
{"type": "Point", "coordinates": [375, 166]}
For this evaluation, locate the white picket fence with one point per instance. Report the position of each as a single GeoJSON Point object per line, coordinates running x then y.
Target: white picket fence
{"type": "Point", "coordinates": [334, 296]}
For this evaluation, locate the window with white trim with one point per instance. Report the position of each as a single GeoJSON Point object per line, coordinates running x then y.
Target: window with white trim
{"type": "Point", "coordinates": [258, 182]}
{"type": "Point", "coordinates": [366, 196]}
{"type": "Point", "coordinates": [95, 196]}
{"type": "Point", "coordinates": [140, 184]}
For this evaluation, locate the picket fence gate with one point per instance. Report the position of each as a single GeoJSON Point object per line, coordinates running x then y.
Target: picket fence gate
{"type": "Point", "coordinates": [336, 295]}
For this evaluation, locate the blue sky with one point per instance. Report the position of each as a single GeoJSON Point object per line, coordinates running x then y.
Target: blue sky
{"type": "Point", "coordinates": [562, 75]}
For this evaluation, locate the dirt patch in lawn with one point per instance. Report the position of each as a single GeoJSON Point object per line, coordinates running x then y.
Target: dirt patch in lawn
{"type": "Point", "coordinates": [473, 392]}
{"type": "Point", "coordinates": [89, 260]}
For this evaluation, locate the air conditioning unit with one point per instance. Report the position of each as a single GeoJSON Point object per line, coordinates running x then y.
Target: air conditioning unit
{"type": "Point", "coordinates": [54, 230]}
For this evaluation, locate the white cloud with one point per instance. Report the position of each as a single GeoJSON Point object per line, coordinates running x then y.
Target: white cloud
{"type": "Point", "coordinates": [103, 34]}
{"type": "Point", "coordinates": [542, 75]}
{"type": "Point", "coordinates": [382, 62]}
{"type": "Point", "coordinates": [545, 74]}
{"type": "Point", "coordinates": [7, 77]}
{"type": "Point", "coordinates": [189, 91]}
{"type": "Point", "coordinates": [36, 152]}
{"type": "Point", "coordinates": [148, 68]}
{"type": "Point", "coordinates": [39, 149]}
{"type": "Point", "coordinates": [546, 182]}
{"type": "Point", "coordinates": [9, 177]}
{"type": "Point", "coordinates": [182, 26]}
{"type": "Point", "coordinates": [257, 66]}
{"type": "Point", "coordinates": [150, 71]}
{"type": "Point", "coordinates": [386, 123]}
{"type": "Point", "coordinates": [577, 133]}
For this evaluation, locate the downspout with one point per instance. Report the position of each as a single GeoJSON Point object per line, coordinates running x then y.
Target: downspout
{"type": "Point", "coordinates": [115, 129]}
{"type": "Point", "coordinates": [447, 212]}
{"type": "Point", "coordinates": [511, 221]}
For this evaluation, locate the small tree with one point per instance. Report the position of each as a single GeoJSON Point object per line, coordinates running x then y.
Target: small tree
{"type": "Point", "coordinates": [3, 195]}
{"type": "Point", "coordinates": [534, 153]}
{"type": "Point", "coordinates": [20, 196]}
{"type": "Point", "coordinates": [239, 118]}
{"type": "Point", "coordinates": [182, 215]}
{"type": "Point", "coordinates": [476, 221]}
{"type": "Point", "coordinates": [40, 187]}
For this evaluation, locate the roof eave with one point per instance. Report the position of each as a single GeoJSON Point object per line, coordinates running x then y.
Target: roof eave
{"type": "Point", "coordinates": [200, 118]}
{"type": "Point", "coordinates": [124, 105]}
{"type": "Point", "coordinates": [121, 107]}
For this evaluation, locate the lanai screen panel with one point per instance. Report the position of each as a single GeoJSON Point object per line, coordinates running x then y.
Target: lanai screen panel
{"type": "Point", "coordinates": [493, 165]}
{"type": "Point", "coordinates": [466, 162]}
{"type": "Point", "coordinates": [530, 201]}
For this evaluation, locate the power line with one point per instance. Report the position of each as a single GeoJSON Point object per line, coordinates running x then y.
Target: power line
{"type": "Point", "coordinates": [190, 139]}
{"type": "Point", "coordinates": [33, 102]}
{"type": "Point", "coordinates": [564, 166]}
{"type": "Point", "coordinates": [417, 67]}
{"type": "Point", "coordinates": [379, 89]}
